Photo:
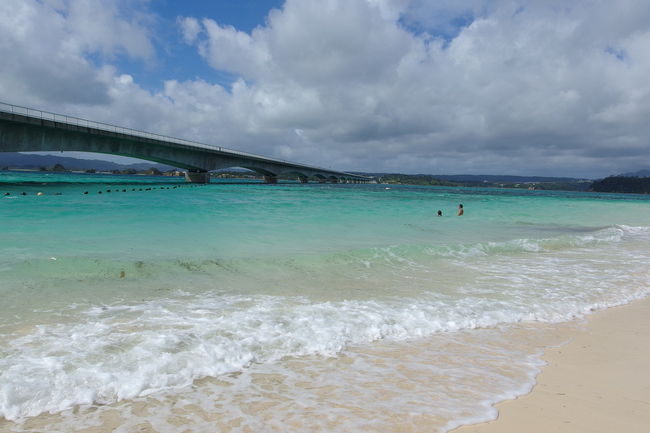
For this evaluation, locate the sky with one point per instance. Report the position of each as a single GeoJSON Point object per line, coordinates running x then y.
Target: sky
{"type": "Point", "coordinates": [536, 87]}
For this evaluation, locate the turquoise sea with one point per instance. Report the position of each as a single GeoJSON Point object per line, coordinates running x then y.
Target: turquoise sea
{"type": "Point", "coordinates": [164, 306]}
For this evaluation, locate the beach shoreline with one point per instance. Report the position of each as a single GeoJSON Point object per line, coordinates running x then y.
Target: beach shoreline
{"type": "Point", "coordinates": [597, 382]}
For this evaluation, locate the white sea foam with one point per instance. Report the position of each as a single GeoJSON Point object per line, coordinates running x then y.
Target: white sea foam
{"type": "Point", "coordinates": [110, 353]}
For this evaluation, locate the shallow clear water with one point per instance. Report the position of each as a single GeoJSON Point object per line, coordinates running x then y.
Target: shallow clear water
{"type": "Point", "coordinates": [187, 299]}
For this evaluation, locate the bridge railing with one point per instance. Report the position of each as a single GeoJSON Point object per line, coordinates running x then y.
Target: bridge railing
{"type": "Point", "coordinates": [77, 121]}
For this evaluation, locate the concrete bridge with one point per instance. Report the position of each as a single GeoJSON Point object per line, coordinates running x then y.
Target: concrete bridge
{"type": "Point", "coordinates": [27, 130]}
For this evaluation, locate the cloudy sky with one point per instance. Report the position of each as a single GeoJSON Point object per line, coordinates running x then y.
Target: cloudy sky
{"type": "Point", "coordinates": [536, 87]}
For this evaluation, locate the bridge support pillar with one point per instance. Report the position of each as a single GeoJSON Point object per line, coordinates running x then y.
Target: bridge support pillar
{"type": "Point", "coordinates": [334, 180]}
{"type": "Point", "coordinates": [322, 180]}
{"type": "Point", "coordinates": [303, 179]}
{"type": "Point", "coordinates": [197, 176]}
{"type": "Point", "coordinates": [270, 178]}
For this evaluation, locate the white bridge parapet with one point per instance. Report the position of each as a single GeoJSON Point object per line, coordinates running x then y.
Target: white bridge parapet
{"type": "Point", "coordinates": [27, 130]}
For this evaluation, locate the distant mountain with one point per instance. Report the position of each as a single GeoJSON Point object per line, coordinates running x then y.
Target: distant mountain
{"type": "Point", "coordinates": [621, 184]}
{"type": "Point", "coordinates": [22, 160]}
{"type": "Point", "coordinates": [640, 173]}
{"type": "Point", "coordinates": [487, 178]}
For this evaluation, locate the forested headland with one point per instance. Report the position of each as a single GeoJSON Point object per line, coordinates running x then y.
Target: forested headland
{"type": "Point", "coordinates": [622, 184]}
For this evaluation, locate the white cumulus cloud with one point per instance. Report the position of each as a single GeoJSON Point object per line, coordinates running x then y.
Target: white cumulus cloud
{"type": "Point", "coordinates": [502, 86]}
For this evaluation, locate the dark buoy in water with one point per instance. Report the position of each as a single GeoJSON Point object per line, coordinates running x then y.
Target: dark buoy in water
{"type": "Point", "coordinates": [57, 193]}
{"type": "Point", "coordinates": [108, 190]}
{"type": "Point", "coordinates": [23, 193]}
{"type": "Point", "coordinates": [123, 190]}
{"type": "Point", "coordinates": [7, 193]}
{"type": "Point", "coordinates": [99, 192]}
{"type": "Point", "coordinates": [132, 189]}
{"type": "Point", "coordinates": [86, 192]}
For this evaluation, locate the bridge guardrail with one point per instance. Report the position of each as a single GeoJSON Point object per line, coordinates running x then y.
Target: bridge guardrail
{"type": "Point", "coordinates": [77, 121]}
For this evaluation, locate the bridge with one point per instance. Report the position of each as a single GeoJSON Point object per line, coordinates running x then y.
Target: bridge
{"type": "Point", "coordinates": [25, 129]}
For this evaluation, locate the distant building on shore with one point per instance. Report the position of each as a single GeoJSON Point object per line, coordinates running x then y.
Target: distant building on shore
{"type": "Point", "coordinates": [173, 173]}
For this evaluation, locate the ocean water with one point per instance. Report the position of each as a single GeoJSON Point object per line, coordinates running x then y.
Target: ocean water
{"type": "Point", "coordinates": [163, 306]}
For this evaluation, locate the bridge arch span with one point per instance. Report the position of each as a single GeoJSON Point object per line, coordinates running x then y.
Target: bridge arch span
{"type": "Point", "coordinates": [27, 130]}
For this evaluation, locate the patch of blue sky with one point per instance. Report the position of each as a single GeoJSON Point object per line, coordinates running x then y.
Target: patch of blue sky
{"type": "Point", "coordinates": [244, 15]}
{"type": "Point", "coordinates": [447, 31]}
{"type": "Point", "coordinates": [176, 60]}
{"type": "Point", "coordinates": [619, 53]}
{"type": "Point", "coordinates": [439, 22]}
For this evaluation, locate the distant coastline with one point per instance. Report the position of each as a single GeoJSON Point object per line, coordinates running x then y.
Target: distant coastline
{"type": "Point", "coordinates": [560, 184]}
{"type": "Point", "coordinates": [635, 183]}
{"type": "Point", "coordinates": [622, 184]}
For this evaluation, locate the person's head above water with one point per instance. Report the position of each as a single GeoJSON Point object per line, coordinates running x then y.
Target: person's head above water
{"type": "Point", "coordinates": [439, 213]}
{"type": "Point", "coordinates": [460, 206]}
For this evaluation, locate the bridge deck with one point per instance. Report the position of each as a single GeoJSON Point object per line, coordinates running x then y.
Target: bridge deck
{"type": "Point", "coordinates": [25, 129]}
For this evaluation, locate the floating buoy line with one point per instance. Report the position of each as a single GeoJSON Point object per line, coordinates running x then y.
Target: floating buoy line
{"type": "Point", "coordinates": [107, 191]}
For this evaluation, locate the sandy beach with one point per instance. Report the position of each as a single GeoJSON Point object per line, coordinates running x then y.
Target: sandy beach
{"type": "Point", "coordinates": [598, 382]}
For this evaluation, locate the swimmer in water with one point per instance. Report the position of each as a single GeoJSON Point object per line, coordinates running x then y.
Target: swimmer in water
{"type": "Point", "coordinates": [460, 210]}
{"type": "Point", "coordinates": [439, 213]}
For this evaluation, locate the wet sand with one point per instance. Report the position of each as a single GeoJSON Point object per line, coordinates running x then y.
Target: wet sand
{"type": "Point", "coordinates": [598, 382]}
